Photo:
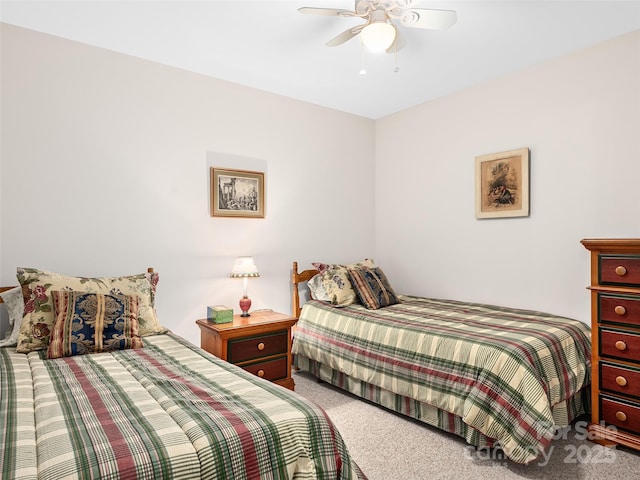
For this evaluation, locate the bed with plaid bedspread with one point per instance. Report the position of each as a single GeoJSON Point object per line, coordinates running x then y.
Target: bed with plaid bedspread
{"type": "Point", "coordinates": [494, 375]}
{"type": "Point", "coordinates": [165, 411]}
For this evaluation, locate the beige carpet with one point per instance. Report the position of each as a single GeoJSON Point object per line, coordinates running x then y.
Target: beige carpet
{"type": "Point", "coordinates": [388, 446]}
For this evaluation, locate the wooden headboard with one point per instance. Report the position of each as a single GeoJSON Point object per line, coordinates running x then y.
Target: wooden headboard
{"type": "Point", "coordinates": [4, 289]}
{"type": "Point", "coordinates": [296, 279]}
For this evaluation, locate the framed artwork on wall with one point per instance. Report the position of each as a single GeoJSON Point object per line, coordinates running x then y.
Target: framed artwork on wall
{"type": "Point", "coordinates": [502, 184]}
{"type": "Point", "coordinates": [237, 193]}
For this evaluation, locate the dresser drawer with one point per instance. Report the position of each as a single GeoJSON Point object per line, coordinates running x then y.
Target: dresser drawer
{"type": "Point", "coordinates": [619, 269]}
{"type": "Point", "coordinates": [624, 415]}
{"type": "Point", "coordinates": [618, 379]}
{"type": "Point", "coordinates": [624, 309]}
{"type": "Point", "coordinates": [619, 344]}
{"type": "Point", "coordinates": [269, 370]}
{"type": "Point", "coordinates": [250, 348]}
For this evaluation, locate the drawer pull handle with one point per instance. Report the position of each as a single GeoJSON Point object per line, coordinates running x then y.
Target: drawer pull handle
{"type": "Point", "coordinates": [621, 416]}
{"type": "Point", "coordinates": [620, 380]}
{"type": "Point", "coordinates": [620, 270]}
{"type": "Point", "coordinates": [261, 373]}
{"type": "Point", "coordinates": [620, 345]}
{"type": "Point", "coordinates": [620, 310]}
{"type": "Point", "coordinates": [261, 346]}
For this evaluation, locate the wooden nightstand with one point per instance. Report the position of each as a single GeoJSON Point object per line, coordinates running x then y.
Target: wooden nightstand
{"type": "Point", "coordinates": [261, 344]}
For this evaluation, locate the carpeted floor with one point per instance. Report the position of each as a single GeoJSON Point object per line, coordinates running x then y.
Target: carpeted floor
{"type": "Point", "coordinates": [388, 446]}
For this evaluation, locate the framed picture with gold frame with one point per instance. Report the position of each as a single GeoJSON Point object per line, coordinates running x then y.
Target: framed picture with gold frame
{"type": "Point", "coordinates": [237, 193]}
{"type": "Point", "coordinates": [502, 184]}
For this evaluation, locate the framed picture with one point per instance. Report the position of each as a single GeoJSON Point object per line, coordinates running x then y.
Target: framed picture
{"type": "Point", "coordinates": [502, 184]}
{"type": "Point", "coordinates": [237, 193]}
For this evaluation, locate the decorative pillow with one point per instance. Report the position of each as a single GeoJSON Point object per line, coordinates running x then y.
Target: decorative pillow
{"type": "Point", "coordinates": [39, 317]}
{"type": "Point", "coordinates": [15, 307]}
{"type": "Point", "coordinates": [372, 287]}
{"type": "Point", "coordinates": [316, 289]}
{"type": "Point", "coordinates": [335, 279]}
{"type": "Point", "coordinates": [93, 323]}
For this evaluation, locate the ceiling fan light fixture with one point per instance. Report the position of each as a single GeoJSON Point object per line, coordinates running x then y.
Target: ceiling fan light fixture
{"type": "Point", "coordinates": [378, 36]}
{"type": "Point", "coordinates": [382, 19]}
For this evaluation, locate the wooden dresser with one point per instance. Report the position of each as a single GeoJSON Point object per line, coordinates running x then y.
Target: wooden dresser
{"type": "Point", "coordinates": [615, 332]}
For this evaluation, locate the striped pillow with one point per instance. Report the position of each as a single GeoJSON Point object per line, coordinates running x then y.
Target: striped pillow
{"type": "Point", "coordinates": [372, 287]}
{"type": "Point", "coordinates": [335, 280]}
{"type": "Point", "coordinates": [93, 323]}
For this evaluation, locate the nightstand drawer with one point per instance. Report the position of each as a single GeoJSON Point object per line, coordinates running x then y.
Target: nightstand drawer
{"type": "Point", "coordinates": [269, 370]}
{"type": "Point", "coordinates": [618, 379]}
{"type": "Point", "coordinates": [624, 415]}
{"type": "Point", "coordinates": [623, 309]}
{"type": "Point", "coordinates": [619, 344]}
{"type": "Point", "coordinates": [259, 346]}
{"type": "Point", "coordinates": [619, 270]}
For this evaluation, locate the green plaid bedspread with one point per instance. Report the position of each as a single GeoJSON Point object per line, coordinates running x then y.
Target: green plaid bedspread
{"type": "Point", "coordinates": [500, 370]}
{"type": "Point", "coordinates": [165, 411]}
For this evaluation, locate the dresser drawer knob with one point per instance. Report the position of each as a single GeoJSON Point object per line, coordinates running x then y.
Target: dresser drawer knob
{"type": "Point", "coordinates": [620, 380]}
{"type": "Point", "coordinates": [620, 310]}
{"type": "Point", "coordinates": [620, 345]}
{"type": "Point", "coordinates": [620, 270]}
{"type": "Point", "coordinates": [261, 373]}
{"type": "Point", "coordinates": [621, 416]}
{"type": "Point", "coordinates": [261, 346]}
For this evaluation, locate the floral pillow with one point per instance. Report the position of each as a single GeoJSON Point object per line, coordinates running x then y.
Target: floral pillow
{"type": "Point", "coordinates": [39, 316]}
{"type": "Point", "coordinates": [15, 307]}
{"type": "Point", "coordinates": [316, 289]}
{"type": "Point", "coordinates": [372, 287]}
{"type": "Point", "coordinates": [336, 283]}
{"type": "Point", "coordinates": [93, 323]}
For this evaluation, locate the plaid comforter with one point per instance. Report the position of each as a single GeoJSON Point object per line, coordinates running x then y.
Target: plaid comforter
{"type": "Point", "coordinates": [501, 370]}
{"type": "Point", "coordinates": [165, 411]}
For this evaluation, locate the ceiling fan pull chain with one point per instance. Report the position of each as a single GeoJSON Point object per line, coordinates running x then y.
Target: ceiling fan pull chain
{"type": "Point", "coordinates": [396, 68]}
{"type": "Point", "coordinates": [363, 70]}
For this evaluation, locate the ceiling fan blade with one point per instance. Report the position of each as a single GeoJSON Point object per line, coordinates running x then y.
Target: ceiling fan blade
{"type": "Point", "coordinates": [334, 12]}
{"type": "Point", "coordinates": [429, 18]}
{"type": "Point", "coordinates": [344, 36]}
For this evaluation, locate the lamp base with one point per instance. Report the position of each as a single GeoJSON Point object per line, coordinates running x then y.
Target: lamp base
{"type": "Point", "coordinates": [245, 305]}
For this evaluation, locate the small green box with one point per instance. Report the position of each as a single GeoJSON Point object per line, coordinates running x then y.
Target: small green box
{"type": "Point", "coordinates": [220, 314]}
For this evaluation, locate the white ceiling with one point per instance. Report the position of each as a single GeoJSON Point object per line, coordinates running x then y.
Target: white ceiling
{"type": "Point", "coordinates": [270, 46]}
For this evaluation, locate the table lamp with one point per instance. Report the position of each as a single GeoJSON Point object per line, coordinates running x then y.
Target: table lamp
{"type": "Point", "coordinates": [244, 268]}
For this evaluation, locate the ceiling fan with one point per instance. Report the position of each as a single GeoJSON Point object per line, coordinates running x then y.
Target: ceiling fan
{"type": "Point", "coordinates": [379, 32]}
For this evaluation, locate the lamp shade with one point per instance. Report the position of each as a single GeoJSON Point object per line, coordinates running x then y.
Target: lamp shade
{"type": "Point", "coordinates": [244, 267]}
{"type": "Point", "coordinates": [378, 36]}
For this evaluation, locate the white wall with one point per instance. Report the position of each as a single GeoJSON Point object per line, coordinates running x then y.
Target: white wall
{"type": "Point", "coordinates": [104, 171]}
{"type": "Point", "coordinates": [580, 116]}
{"type": "Point", "coordinates": [105, 164]}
